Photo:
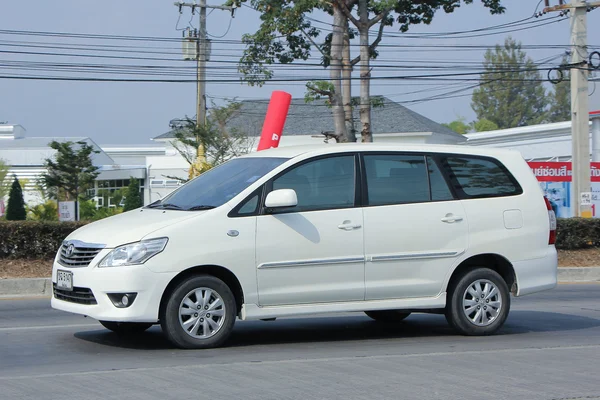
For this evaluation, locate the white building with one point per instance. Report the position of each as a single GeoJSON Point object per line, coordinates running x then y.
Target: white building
{"type": "Point", "coordinates": [545, 142]}
{"type": "Point", "coordinates": [26, 156]}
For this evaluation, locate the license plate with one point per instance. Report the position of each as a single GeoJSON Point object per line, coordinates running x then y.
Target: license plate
{"type": "Point", "coordinates": [64, 280]}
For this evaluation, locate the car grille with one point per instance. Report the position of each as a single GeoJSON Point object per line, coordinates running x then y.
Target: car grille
{"type": "Point", "coordinates": [77, 295]}
{"type": "Point", "coordinates": [81, 256]}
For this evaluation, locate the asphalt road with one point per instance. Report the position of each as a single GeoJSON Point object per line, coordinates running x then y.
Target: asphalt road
{"type": "Point", "coordinates": [548, 349]}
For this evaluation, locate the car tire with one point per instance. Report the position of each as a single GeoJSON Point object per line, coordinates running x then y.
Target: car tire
{"type": "Point", "coordinates": [199, 313]}
{"type": "Point", "coordinates": [387, 315]}
{"type": "Point", "coordinates": [126, 328]}
{"type": "Point", "coordinates": [478, 302]}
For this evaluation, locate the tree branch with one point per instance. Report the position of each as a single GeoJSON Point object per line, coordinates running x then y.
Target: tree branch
{"type": "Point", "coordinates": [319, 91]}
{"type": "Point", "coordinates": [380, 16]}
{"type": "Point", "coordinates": [330, 135]}
{"type": "Point", "coordinates": [373, 45]}
{"type": "Point", "coordinates": [379, 35]}
{"type": "Point", "coordinates": [347, 13]}
{"type": "Point", "coordinates": [314, 44]}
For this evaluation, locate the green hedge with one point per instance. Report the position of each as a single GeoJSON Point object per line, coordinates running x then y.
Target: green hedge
{"type": "Point", "coordinates": [41, 239]}
{"type": "Point", "coordinates": [33, 239]}
{"type": "Point", "coordinates": [577, 233]}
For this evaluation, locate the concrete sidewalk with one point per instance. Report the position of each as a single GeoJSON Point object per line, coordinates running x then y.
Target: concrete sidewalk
{"type": "Point", "coordinates": [30, 287]}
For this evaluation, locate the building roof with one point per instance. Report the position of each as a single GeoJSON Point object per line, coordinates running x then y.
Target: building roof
{"type": "Point", "coordinates": [314, 118]}
{"type": "Point", "coordinates": [35, 150]}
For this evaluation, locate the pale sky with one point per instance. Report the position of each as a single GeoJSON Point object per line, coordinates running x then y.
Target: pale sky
{"type": "Point", "coordinates": [128, 112]}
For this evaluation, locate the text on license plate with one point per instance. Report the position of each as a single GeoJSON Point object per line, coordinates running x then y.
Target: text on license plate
{"type": "Point", "coordinates": [64, 280]}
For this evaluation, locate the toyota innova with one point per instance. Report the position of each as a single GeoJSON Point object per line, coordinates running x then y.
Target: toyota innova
{"type": "Point", "coordinates": [385, 230]}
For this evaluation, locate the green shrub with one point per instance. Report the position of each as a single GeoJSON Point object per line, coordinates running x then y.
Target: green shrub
{"type": "Point", "coordinates": [47, 211]}
{"type": "Point", "coordinates": [87, 209]}
{"type": "Point", "coordinates": [33, 239]}
{"type": "Point", "coordinates": [89, 212]}
{"type": "Point", "coordinates": [105, 212]}
{"type": "Point", "coordinates": [577, 233]}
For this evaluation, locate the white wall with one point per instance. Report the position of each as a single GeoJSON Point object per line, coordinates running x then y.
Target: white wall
{"type": "Point", "coordinates": [535, 142]}
{"type": "Point", "coordinates": [28, 178]}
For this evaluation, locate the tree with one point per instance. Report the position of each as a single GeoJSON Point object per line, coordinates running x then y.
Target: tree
{"type": "Point", "coordinates": [484, 125]}
{"type": "Point", "coordinates": [72, 172]}
{"type": "Point", "coordinates": [286, 35]}
{"type": "Point", "coordinates": [386, 12]}
{"type": "Point", "coordinates": [4, 186]}
{"type": "Point", "coordinates": [218, 141]}
{"type": "Point", "coordinates": [15, 209]}
{"type": "Point", "coordinates": [560, 99]}
{"type": "Point", "coordinates": [511, 91]}
{"type": "Point", "coordinates": [133, 198]}
{"type": "Point", "coordinates": [459, 126]}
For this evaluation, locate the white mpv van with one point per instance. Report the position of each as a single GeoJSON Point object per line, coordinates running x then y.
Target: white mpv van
{"type": "Point", "coordinates": [388, 230]}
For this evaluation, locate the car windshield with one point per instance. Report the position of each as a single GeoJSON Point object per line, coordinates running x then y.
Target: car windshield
{"type": "Point", "coordinates": [219, 185]}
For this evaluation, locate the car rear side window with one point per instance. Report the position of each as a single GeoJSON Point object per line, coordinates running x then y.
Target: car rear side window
{"type": "Point", "coordinates": [477, 177]}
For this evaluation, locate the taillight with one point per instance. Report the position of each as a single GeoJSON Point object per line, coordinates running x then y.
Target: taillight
{"type": "Point", "coordinates": [552, 219]}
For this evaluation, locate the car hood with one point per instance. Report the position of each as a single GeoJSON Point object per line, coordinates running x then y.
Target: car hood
{"type": "Point", "coordinates": [130, 226]}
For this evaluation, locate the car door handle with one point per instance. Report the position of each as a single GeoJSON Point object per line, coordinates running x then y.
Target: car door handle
{"type": "Point", "coordinates": [348, 226]}
{"type": "Point", "coordinates": [450, 218]}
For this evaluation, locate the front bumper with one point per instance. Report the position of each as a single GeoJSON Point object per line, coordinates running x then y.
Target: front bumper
{"type": "Point", "coordinates": [148, 285]}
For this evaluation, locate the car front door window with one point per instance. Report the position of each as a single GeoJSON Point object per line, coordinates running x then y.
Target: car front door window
{"type": "Point", "coordinates": [326, 183]}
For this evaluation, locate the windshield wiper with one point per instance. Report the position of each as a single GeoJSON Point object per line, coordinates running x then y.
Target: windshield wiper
{"type": "Point", "coordinates": [201, 207]}
{"type": "Point", "coordinates": [154, 204]}
{"type": "Point", "coordinates": [170, 206]}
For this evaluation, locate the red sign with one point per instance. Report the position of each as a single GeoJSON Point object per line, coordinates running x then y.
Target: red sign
{"type": "Point", "coordinates": [552, 171]}
{"type": "Point", "coordinates": [274, 120]}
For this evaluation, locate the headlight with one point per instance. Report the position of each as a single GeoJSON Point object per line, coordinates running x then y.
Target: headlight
{"type": "Point", "coordinates": [134, 253]}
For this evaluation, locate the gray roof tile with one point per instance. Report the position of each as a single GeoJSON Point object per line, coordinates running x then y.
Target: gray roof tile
{"type": "Point", "coordinates": [313, 118]}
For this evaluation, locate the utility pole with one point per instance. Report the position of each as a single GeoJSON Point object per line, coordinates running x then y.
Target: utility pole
{"type": "Point", "coordinates": [580, 119]}
{"type": "Point", "coordinates": [202, 56]}
{"type": "Point", "coordinates": [201, 101]}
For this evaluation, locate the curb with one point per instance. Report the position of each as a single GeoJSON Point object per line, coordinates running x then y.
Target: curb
{"type": "Point", "coordinates": [579, 274]}
{"type": "Point", "coordinates": [26, 287]}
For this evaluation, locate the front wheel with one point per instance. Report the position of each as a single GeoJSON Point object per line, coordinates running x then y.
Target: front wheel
{"type": "Point", "coordinates": [199, 313]}
{"type": "Point", "coordinates": [126, 328]}
{"type": "Point", "coordinates": [387, 315]}
{"type": "Point", "coordinates": [478, 303]}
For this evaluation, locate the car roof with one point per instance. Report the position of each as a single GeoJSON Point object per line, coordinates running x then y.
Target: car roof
{"type": "Point", "coordinates": [322, 149]}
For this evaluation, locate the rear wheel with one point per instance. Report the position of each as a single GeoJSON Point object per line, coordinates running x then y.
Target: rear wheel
{"type": "Point", "coordinates": [387, 315]}
{"type": "Point", "coordinates": [478, 303]}
{"type": "Point", "coordinates": [126, 328]}
{"type": "Point", "coordinates": [199, 313]}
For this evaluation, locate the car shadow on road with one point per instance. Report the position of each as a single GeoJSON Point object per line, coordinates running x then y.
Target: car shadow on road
{"type": "Point", "coordinates": [346, 328]}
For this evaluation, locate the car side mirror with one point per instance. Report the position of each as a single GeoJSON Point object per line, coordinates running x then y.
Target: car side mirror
{"type": "Point", "coordinates": [281, 198]}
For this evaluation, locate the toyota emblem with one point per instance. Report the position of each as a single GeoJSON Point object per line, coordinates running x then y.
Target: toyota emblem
{"type": "Point", "coordinates": [70, 250]}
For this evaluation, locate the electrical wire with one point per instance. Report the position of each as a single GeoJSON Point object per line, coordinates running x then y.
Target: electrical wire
{"type": "Point", "coordinates": [226, 32]}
